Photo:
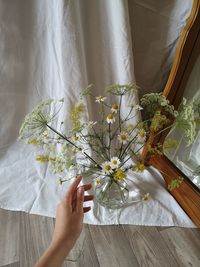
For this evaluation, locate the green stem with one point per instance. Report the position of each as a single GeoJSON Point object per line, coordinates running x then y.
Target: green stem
{"type": "Point", "coordinates": [101, 142]}
{"type": "Point", "coordinates": [133, 154]}
{"type": "Point", "coordinates": [119, 114]}
{"type": "Point", "coordinates": [93, 149]}
{"type": "Point", "coordinates": [65, 138]}
{"type": "Point", "coordinates": [109, 129]}
{"type": "Point", "coordinates": [127, 146]}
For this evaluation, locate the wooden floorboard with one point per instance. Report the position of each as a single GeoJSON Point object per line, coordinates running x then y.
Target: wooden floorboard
{"type": "Point", "coordinates": [24, 237]}
{"type": "Point", "coordinates": [112, 246]}
{"type": "Point", "coordinates": [149, 246]}
{"type": "Point", "coordinates": [184, 244]}
{"type": "Point", "coordinates": [35, 236]}
{"type": "Point", "coordinates": [14, 264]}
{"type": "Point", "coordinates": [9, 237]}
{"type": "Point", "coordinates": [83, 254]}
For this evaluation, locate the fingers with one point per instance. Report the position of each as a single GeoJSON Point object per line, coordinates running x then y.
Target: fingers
{"type": "Point", "coordinates": [88, 198]}
{"type": "Point", "coordinates": [87, 187]}
{"type": "Point", "coordinates": [74, 196]}
{"type": "Point", "coordinates": [80, 199]}
{"type": "Point", "coordinates": [85, 199]}
{"type": "Point", "coordinates": [72, 189]}
{"type": "Point", "coordinates": [86, 209]}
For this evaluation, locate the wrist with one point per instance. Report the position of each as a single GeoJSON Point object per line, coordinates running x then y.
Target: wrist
{"type": "Point", "coordinates": [63, 246]}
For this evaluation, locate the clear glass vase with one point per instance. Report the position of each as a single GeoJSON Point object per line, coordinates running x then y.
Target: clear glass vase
{"type": "Point", "coordinates": [114, 195]}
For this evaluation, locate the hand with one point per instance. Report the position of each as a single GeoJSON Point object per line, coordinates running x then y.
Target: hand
{"type": "Point", "coordinates": [70, 213]}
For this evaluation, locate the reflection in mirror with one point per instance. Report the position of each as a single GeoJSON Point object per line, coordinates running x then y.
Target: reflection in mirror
{"type": "Point", "coordinates": [187, 156]}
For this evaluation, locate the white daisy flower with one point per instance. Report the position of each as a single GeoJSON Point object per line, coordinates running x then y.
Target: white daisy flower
{"type": "Point", "coordinates": [106, 166]}
{"type": "Point", "coordinates": [35, 123]}
{"type": "Point", "coordinates": [110, 118]}
{"type": "Point", "coordinates": [100, 99]}
{"type": "Point", "coordinates": [115, 162]}
{"type": "Point", "coordinates": [114, 108]}
{"type": "Point", "coordinates": [123, 138]}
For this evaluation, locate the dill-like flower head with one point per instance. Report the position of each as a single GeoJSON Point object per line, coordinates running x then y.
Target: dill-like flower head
{"type": "Point", "coordinates": [155, 101]}
{"type": "Point", "coordinates": [35, 123]}
{"type": "Point", "coordinates": [75, 115]}
{"type": "Point", "coordinates": [121, 89]}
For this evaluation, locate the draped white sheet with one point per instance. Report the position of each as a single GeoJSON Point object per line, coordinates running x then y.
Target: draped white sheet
{"type": "Point", "coordinates": [54, 49]}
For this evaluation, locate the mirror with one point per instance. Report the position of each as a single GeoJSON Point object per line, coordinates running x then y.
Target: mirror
{"type": "Point", "coordinates": [187, 157]}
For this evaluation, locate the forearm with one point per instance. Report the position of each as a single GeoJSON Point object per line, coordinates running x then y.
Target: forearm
{"type": "Point", "coordinates": [54, 255]}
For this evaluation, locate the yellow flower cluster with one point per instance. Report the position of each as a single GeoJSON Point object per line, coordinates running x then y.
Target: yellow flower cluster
{"type": "Point", "coordinates": [42, 158]}
{"type": "Point", "coordinates": [159, 121]}
{"type": "Point", "coordinates": [119, 175]}
{"type": "Point", "coordinates": [75, 114]}
{"type": "Point", "coordinates": [33, 141]}
{"type": "Point", "coordinates": [139, 167]}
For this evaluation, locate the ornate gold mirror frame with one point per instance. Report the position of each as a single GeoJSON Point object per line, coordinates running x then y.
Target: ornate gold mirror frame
{"type": "Point", "coordinates": [188, 50]}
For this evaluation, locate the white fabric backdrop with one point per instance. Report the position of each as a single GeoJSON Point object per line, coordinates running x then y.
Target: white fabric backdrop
{"type": "Point", "coordinates": [54, 49]}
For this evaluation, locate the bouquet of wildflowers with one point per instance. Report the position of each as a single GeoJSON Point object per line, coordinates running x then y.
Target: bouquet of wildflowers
{"type": "Point", "coordinates": [107, 149]}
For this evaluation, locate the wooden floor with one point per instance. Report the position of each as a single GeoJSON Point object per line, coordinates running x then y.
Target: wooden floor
{"type": "Point", "coordinates": [24, 237]}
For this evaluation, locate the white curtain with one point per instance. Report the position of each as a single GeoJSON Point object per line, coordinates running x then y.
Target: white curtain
{"type": "Point", "coordinates": [53, 49]}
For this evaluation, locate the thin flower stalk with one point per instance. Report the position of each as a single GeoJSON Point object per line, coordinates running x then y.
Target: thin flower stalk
{"type": "Point", "coordinates": [64, 137]}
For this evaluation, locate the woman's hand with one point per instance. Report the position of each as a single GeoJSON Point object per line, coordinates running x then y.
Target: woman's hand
{"type": "Point", "coordinates": [69, 215]}
{"type": "Point", "coordinates": [69, 223]}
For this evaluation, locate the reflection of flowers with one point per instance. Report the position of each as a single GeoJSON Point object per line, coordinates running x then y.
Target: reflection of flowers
{"type": "Point", "coordinates": [169, 144]}
{"type": "Point", "coordinates": [185, 121]}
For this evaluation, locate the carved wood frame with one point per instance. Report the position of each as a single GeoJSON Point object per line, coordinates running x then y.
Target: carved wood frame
{"type": "Point", "coordinates": [188, 50]}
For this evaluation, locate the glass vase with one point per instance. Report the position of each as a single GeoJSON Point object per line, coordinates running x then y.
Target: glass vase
{"type": "Point", "coordinates": [116, 194]}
